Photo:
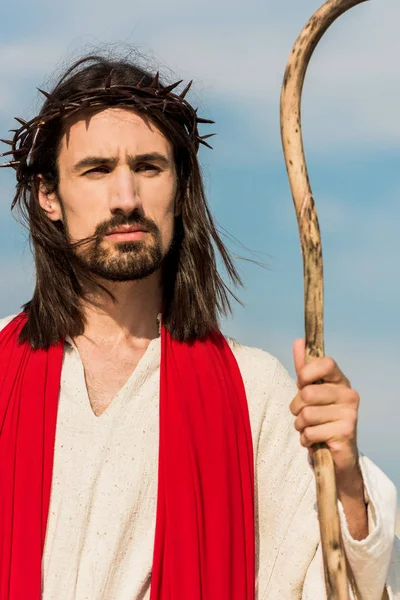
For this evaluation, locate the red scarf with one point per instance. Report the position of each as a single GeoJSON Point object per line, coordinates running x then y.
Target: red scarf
{"type": "Point", "coordinates": [204, 541]}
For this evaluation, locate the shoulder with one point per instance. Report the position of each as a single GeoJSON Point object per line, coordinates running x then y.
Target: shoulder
{"type": "Point", "coordinates": [5, 321]}
{"type": "Point", "coordinates": [269, 387]}
{"type": "Point", "coordinates": [260, 369]}
{"type": "Point", "coordinates": [250, 359]}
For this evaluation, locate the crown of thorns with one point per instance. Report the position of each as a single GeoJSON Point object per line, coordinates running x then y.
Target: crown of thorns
{"type": "Point", "coordinates": [144, 97]}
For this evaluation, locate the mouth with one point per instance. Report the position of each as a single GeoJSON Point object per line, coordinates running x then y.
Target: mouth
{"type": "Point", "coordinates": [127, 233]}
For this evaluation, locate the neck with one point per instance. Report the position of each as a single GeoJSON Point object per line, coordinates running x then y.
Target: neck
{"type": "Point", "coordinates": [131, 318]}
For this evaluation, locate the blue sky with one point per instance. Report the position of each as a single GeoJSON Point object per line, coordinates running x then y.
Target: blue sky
{"type": "Point", "coordinates": [236, 52]}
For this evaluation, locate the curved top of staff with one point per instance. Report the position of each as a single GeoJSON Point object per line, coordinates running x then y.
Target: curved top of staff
{"type": "Point", "coordinates": [293, 148]}
{"type": "Point", "coordinates": [296, 69]}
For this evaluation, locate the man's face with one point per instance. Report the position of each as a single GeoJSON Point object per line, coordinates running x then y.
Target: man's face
{"type": "Point", "coordinates": [117, 180]}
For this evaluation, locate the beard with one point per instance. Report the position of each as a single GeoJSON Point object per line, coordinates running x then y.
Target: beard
{"type": "Point", "coordinates": [122, 261]}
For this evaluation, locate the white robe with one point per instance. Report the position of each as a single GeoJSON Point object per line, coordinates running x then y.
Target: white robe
{"type": "Point", "coordinates": [100, 534]}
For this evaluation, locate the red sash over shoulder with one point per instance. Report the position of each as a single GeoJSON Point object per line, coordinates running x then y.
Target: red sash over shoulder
{"type": "Point", "coordinates": [204, 542]}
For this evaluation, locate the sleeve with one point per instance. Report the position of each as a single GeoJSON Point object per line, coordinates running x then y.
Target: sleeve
{"type": "Point", "coordinates": [287, 509]}
{"type": "Point", "coordinates": [393, 577]}
{"type": "Point", "coordinates": [370, 558]}
{"type": "Point", "coordinates": [374, 561]}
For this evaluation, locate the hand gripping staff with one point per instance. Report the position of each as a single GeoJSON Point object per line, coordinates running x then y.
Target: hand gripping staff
{"type": "Point", "coordinates": [310, 237]}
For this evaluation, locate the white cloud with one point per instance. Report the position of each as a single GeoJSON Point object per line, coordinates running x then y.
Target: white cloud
{"type": "Point", "coordinates": [237, 53]}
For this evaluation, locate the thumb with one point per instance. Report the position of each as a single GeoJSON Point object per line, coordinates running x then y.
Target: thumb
{"type": "Point", "coordinates": [299, 354]}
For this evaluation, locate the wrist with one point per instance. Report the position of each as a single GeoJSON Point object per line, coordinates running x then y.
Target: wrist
{"type": "Point", "coordinates": [350, 483]}
{"type": "Point", "coordinates": [351, 493]}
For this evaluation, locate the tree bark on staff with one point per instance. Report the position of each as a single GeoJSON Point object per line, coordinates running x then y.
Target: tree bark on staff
{"type": "Point", "coordinates": [332, 545]}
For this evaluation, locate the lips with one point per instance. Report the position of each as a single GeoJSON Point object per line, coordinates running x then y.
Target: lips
{"type": "Point", "coordinates": [127, 229]}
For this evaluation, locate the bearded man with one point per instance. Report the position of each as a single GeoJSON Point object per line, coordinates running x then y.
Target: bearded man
{"type": "Point", "coordinates": [143, 455]}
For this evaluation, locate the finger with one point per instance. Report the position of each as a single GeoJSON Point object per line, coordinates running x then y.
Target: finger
{"type": "Point", "coordinates": [324, 394]}
{"type": "Point", "coordinates": [311, 416]}
{"type": "Point", "coordinates": [299, 354]}
{"type": "Point", "coordinates": [333, 434]}
{"type": "Point", "coordinates": [325, 369]}
{"type": "Point", "coordinates": [316, 395]}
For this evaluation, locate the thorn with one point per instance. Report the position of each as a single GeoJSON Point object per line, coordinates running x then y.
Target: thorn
{"type": "Point", "coordinates": [155, 84]}
{"type": "Point", "coordinates": [22, 121]}
{"type": "Point", "coordinates": [200, 120]}
{"type": "Point", "coordinates": [205, 144]}
{"type": "Point", "coordinates": [185, 91]}
{"type": "Point", "coordinates": [15, 153]}
{"type": "Point", "coordinates": [9, 142]}
{"type": "Point", "coordinates": [140, 84]}
{"type": "Point", "coordinates": [169, 88]}
{"type": "Point", "coordinates": [11, 164]}
{"type": "Point", "coordinates": [204, 137]}
{"type": "Point", "coordinates": [19, 152]}
{"type": "Point", "coordinates": [13, 130]}
{"type": "Point", "coordinates": [46, 94]}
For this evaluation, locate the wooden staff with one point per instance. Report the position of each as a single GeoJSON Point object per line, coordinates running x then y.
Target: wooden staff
{"type": "Point", "coordinates": [332, 546]}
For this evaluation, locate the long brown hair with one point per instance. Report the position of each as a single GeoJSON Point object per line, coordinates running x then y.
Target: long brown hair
{"type": "Point", "coordinates": [194, 293]}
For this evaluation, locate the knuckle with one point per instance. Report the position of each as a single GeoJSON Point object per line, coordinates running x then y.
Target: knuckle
{"type": "Point", "coordinates": [307, 414]}
{"type": "Point", "coordinates": [354, 420]}
{"type": "Point", "coordinates": [354, 398]}
{"type": "Point", "coordinates": [329, 364]}
{"type": "Point", "coordinates": [307, 434]}
{"type": "Point", "coordinates": [308, 394]}
{"type": "Point", "coordinates": [348, 429]}
{"type": "Point", "coordinates": [295, 406]}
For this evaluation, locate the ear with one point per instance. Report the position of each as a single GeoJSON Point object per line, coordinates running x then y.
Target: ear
{"type": "Point", "coordinates": [48, 200]}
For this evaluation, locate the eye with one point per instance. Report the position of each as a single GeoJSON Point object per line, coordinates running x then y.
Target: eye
{"type": "Point", "coordinates": [97, 170]}
{"type": "Point", "coordinates": [148, 167]}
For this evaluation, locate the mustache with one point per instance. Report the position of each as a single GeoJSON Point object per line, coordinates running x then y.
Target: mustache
{"type": "Point", "coordinates": [135, 218]}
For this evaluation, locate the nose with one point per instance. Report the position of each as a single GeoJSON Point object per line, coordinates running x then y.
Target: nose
{"type": "Point", "coordinates": [125, 192]}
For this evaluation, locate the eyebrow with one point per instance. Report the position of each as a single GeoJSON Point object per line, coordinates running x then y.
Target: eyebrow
{"type": "Point", "coordinates": [97, 161]}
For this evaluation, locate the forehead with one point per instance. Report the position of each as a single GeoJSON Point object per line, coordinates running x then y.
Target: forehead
{"type": "Point", "coordinates": [111, 132]}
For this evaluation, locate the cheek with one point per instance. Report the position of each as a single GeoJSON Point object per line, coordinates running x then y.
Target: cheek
{"type": "Point", "coordinates": [81, 211]}
{"type": "Point", "coordinates": [78, 224]}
